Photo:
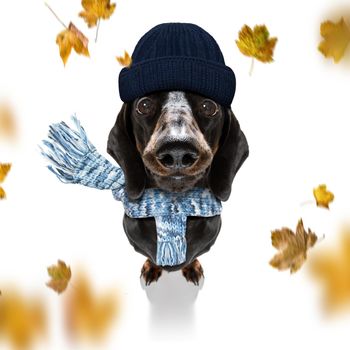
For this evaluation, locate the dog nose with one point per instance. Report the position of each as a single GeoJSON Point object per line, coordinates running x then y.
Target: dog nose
{"type": "Point", "coordinates": [177, 156]}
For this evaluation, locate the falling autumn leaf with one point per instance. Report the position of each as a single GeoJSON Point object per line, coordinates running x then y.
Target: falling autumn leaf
{"type": "Point", "coordinates": [323, 196]}
{"type": "Point", "coordinates": [332, 268]}
{"type": "Point", "coordinates": [125, 60]}
{"type": "Point", "coordinates": [95, 10]}
{"type": "Point", "coordinates": [70, 38]}
{"type": "Point", "coordinates": [7, 122]}
{"type": "Point", "coordinates": [87, 315]}
{"type": "Point", "coordinates": [60, 276]}
{"type": "Point", "coordinates": [4, 169]}
{"type": "Point", "coordinates": [22, 320]}
{"type": "Point", "coordinates": [256, 43]}
{"type": "Point", "coordinates": [336, 38]}
{"type": "Point", "coordinates": [292, 247]}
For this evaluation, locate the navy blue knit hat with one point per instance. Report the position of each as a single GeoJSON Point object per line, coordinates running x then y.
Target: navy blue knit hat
{"type": "Point", "coordinates": [178, 56]}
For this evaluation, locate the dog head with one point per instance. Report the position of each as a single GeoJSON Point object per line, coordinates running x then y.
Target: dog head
{"type": "Point", "coordinates": [176, 139]}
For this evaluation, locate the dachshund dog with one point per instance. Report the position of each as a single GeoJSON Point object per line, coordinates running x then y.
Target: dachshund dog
{"type": "Point", "coordinates": [175, 140]}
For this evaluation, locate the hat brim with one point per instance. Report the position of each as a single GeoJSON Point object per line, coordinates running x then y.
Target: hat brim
{"type": "Point", "coordinates": [211, 79]}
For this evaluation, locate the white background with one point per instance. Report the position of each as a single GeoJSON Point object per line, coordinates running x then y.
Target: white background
{"type": "Point", "coordinates": [295, 114]}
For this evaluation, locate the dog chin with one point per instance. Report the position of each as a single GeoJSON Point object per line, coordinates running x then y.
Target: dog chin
{"type": "Point", "coordinates": [176, 183]}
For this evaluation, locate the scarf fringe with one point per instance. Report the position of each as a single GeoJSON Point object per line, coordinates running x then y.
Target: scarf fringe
{"type": "Point", "coordinates": [171, 252]}
{"type": "Point", "coordinates": [66, 149]}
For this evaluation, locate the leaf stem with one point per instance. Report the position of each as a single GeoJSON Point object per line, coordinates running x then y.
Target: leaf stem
{"type": "Point", "coordinates": [59, 20]}
{"type": "Point", "coordinates": [307, 202]}
{"type": "Point", "coordinates": [320, 239]}
{"type": "Point", "coordinates": [98, 26]}
{"type": "Point", "coordinates": [251, 67]}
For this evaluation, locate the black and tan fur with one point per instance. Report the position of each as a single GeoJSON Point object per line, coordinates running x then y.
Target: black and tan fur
{"type": "Point", "coordinates": [176, 147]}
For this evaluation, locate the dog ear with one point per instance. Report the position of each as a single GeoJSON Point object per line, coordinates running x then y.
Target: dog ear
{"type": "Point", "coordinates": [121, 146]}
{"type": "Point", "coordinates": [232, 152]}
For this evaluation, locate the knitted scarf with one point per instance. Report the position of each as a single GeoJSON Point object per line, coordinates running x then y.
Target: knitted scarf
{"type": "Point", "coordinates": [75, 160]}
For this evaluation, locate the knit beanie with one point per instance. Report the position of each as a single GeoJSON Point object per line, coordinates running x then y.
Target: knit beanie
{"type": "Point", "coordinates": [178, 56]}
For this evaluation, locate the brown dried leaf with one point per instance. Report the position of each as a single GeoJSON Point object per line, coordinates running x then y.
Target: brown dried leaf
{"type": "Point", "coordinates": [60, 276]}
{"type": "Point", "coordinates": [292, 247]}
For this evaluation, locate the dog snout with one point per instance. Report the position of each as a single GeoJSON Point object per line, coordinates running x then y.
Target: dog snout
{"type": "Point", "coordinates": [177, 155]}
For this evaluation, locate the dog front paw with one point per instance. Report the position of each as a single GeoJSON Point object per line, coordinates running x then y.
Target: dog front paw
{"type": "Point", "coordinates": [150, 272]}
{"type": "Point", "coordinates": [193, 272]}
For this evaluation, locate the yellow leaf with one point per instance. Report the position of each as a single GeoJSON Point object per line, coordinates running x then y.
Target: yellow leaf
{"type": "Point", "coordinates": [72, 38]}
{"type": "Point", "coordinates": [22, 320]}
{"type": "Point", "coordinates": [292, 247]}
{"type": "Point", "coordinates": [323, 196]}
{"type": "Point", "coordinates": [2, 193]}
{"type": "Point", "coordinates": [7, 122]}
{"type": "Point", "coordinates": [336, 39]}
{"type": "Point", "coordinates": [4, 169]}
{"type": "Point", "coordinates": [256, 43]}
{"type": "Point", "coordinates": [95, 10]}
{"type": "Point", "coordinates": [60, 275]}
{"type": "Point", "coordinates": [332, 267]}
{"type": "Point", "coordinates": [124, 61]}
{"type": "Point", "coordinates": [87, 315]}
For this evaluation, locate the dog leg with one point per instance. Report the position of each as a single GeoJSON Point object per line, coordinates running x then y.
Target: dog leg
{"type": "Point", "coordinates": [150, 272]}
{"type": "Point", "coordinates": [193, 272]}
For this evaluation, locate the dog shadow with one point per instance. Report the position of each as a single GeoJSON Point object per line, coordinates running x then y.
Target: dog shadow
{"type": "Point", "coordinates": [172, 302]}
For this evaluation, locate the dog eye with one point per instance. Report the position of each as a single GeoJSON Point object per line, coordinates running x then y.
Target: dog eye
{"type": "Point", "coordinates": [208, 108]}
{"type": "Point", "coordinates": [145, 106]}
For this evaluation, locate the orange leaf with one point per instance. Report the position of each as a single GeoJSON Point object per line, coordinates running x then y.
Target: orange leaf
{"type": "Point", "coordinates": [72, 38]}
{"type": "Point", "coordinates": [332, 268]}
{"type": "Point", "coordinates": [95, 10]}
{"type": "Point", "coordinates": [336, 38]}
{"type": "Point", "coordinates": [87, 315]}
{"type": "Point", "coordinates": [4, 169]}
{"type": "Point", "coordinates": [125, 60]}
{"type": "Point", "coordinates": [7, 122]}
{"type": "Point", "coordinates": [22, 320]}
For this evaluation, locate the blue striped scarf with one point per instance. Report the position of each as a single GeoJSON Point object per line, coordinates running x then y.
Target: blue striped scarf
{"type": "Point", "coordinates": [75, 160]}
